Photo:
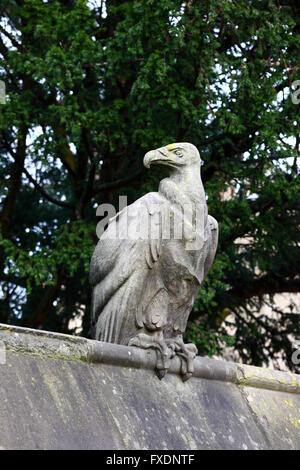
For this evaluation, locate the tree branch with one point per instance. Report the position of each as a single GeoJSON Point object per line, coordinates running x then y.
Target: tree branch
{"type": "Point", "coordinates": [44, 307]}
{"type": "Point", "coordinates": [14, 187]}
{"type": "Point", "coordinates": [118, 183]}
{"type": "Point", "coordinates": [11, 38]}
{"type": "Point", "coordinates": [265, 285]}
{"type": "Point", "coordinates": [46, 195]}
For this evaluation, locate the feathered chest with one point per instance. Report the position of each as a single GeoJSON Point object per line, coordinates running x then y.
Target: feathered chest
{"type": "Point", "coordinates": [179, 238]}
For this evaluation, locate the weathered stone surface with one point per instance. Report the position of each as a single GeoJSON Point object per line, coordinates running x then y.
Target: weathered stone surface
{"type": "Point", "coordinates": [149, 264]}
{"type": "Point", "coordinates": [62, 392]}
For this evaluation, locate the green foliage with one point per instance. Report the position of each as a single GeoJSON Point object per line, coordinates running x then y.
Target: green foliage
{"type": "Point", "coordinates": [92, 86]}
{"type": "Point", "coordinates": [73, 248]}
{"type": "Point", "coordinates": [207, 341]}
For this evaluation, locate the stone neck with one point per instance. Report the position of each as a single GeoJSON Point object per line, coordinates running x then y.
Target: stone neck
{"type": "Point", "coordinates": [184, 185]}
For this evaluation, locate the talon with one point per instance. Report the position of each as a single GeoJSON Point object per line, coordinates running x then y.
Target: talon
{"type": "Point", "coordinates": [135, 342]}
{"type": "Point", "coordinates": [192, 348]}
{"type": "Point", "coordinates": [172, 347]}
{"type": "Point", "coordinates": [164, 351]}
{"type": "Point", "coordinates": [187, 353]}
{"type": "Point", "coordinates": [161, 373]}
{"type": "Point", "coordinates": [186, 376]}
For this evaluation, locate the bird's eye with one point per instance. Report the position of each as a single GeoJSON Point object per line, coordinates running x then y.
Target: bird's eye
{"type": "Point", "coordinates": [178, 153]}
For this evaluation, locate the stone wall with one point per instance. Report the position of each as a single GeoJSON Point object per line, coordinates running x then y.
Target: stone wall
{"type": "Point", "coordinates": [65, 392]}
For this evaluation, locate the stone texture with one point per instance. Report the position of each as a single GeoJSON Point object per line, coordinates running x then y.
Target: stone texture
{"type": "Point", "coordinates": [62, 392]}
{"type": "Point", "coordinates": [149, 264]}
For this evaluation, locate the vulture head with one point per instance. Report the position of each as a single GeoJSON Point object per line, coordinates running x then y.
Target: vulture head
{"type": "Point", "coordinates": [174, 155]}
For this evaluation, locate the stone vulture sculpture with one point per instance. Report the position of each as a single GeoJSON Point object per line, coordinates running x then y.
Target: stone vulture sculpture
{"type": "Point", "coordinates": [149, 264]}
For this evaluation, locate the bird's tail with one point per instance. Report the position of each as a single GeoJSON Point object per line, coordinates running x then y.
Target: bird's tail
{"type": "Point", "coordinates": [112, 323]}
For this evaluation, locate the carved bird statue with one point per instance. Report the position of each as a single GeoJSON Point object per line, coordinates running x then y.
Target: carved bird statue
{"type": "Point", "coordinates": [148, 265]}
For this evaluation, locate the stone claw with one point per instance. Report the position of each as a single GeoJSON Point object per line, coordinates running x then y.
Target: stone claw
{"type": "Point", "coordinates": [186, 376]}
{"type": "Point", "coordinates": [164, 351]}
{"type": "Point", "coordinates": [161, 373]}
{"type": "Point", "coordinates": [188, 353]}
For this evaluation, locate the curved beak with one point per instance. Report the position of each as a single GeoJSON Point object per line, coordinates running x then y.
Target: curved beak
{"type": "Point", "coordinates": [149, 158]}
{"type": "Point", "coordinates": [158, 157]}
